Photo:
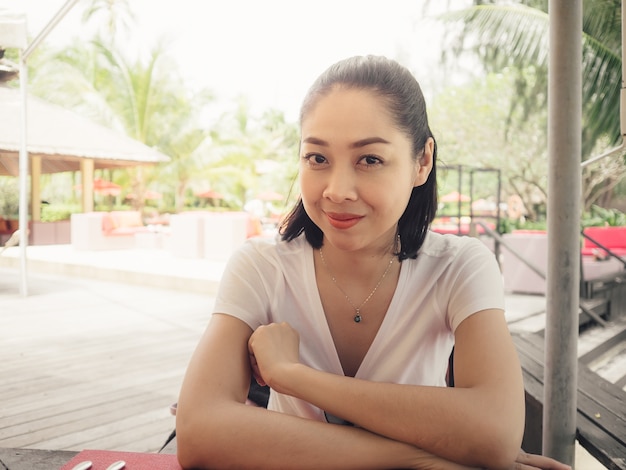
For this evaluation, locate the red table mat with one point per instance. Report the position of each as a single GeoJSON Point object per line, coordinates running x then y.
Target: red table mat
{"type": "Point", "coordinates": [101, 459]}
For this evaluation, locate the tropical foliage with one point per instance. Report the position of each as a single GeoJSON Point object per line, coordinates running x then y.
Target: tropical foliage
{"type": "Point", "coordinates": [143, 98]}
{"type": "Point", "coordinates": [146, 98]}
{"type": "Point", "coordinates": [600, 217]}
{"type": "Point", "coordinates": [479, 139]}
{"type": "Point", "coordinates": [245, 158]}
{"type": "Point", "coordinates": [513, 36]}
{"type": "Point", "coordinates": [9, 198]}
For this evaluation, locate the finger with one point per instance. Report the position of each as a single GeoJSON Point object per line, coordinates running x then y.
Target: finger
{"type": "Point", "coordinates": [256, 372]}
{"type": "Point", "coordinates": [259, 380]}
{"type": "Point", "coordinates": [526, 461]}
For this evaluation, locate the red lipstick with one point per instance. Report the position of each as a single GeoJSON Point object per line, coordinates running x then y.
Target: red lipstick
{"type": "Point", "coordinates": [343, 221]}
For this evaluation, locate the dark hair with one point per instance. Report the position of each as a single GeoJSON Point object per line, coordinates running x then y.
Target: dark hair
{"type": "Point", "coordinates": [404, 98]}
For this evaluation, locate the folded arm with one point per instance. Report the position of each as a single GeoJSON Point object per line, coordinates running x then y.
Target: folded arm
{"type": "Point", "coordinates": [479, 422]}
{"type": "Point", "coordinates": [215, 429]}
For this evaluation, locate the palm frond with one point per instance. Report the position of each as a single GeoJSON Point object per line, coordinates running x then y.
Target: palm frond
{"type": "Point", "coordinates": [518, 36]}
{"type": "Point", "coordinates": [510, 34]}
{"type": "Point", "coordinates": [602, 73]}
{"type": "Point", "coordinates": [602, 21]}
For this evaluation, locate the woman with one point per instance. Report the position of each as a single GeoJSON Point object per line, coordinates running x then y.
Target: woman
{"type": "Point", "coordinates": [350, 317]}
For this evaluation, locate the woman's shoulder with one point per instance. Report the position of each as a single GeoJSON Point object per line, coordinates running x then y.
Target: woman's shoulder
{"type": "Point", "coordinates": [272, 249]}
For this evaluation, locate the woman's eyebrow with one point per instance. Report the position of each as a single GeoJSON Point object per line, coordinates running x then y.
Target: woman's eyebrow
{"type": "Point", "coordinates": [368, 141]}
{"type": "Point", "coordinates": [357, 144]}
{"type": "Point", "coordinates": [315, 141]}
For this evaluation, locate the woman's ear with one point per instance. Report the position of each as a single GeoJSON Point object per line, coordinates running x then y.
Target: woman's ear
{"type": "Point", "coordinates": [424, 163]}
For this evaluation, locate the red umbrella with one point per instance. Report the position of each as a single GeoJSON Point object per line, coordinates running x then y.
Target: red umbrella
{"type": "Point", "coordinates": [210, 194]}
{"type": "Point", "coordinates": [106, 188]}
{"type": "Point", "coordinates": [146, 195]}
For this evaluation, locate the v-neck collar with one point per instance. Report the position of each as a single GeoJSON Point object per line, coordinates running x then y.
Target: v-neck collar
{"type": "Point", "coordinates": [322, 321]}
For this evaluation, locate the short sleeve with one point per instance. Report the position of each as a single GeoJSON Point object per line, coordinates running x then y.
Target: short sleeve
{"type": "Point", "coordinates": [243, 289]}
{"type": "Point", "coordinates": [475, 282]}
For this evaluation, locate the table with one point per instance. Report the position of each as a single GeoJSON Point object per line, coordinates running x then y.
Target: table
{"type": "Point", "coordinates": [34, 459]}
{"type": "Point", "coordinates": [38, 459]}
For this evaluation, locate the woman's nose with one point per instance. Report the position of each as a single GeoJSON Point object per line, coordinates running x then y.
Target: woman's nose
{"type": "Point", "coordinates": [341, 185]}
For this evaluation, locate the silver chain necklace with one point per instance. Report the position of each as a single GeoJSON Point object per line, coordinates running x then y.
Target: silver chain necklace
{"type": "Point", "coordinates": [357, 316]}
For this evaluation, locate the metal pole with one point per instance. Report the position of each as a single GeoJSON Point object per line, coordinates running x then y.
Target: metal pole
{"type": "Point", "coordinates": [49, 27]}
{"type": "Point", "coordinates": [23, 180]}
{"type": "Point", "coordinates": [564, 191]}
{"type": "Point", "coordinates": [23, 157]}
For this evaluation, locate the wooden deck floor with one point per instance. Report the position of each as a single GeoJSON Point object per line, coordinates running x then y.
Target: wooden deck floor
{"type": "Point", "coordinates": [93, 364]}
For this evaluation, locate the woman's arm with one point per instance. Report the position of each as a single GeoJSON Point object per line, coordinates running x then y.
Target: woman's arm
{"type": "Point", "coordinates": [215, 429]}
{"type": "Point", "coordinates": [479, 422]}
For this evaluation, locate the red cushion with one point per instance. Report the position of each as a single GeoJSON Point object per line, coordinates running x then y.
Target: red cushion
{"type": "Point", "coordinates": [613, 238]}
{"type": "Point", "coordinates": [610, 237]}
{"type": "Point", "coordinates": [108, 224]}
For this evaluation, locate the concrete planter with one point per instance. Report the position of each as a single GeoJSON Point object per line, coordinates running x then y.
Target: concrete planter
{"type": "Point", "coordinates": [50, 233]}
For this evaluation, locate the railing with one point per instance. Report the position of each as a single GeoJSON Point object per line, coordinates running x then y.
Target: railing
{"type": "Point", "coordinates": [601, 246]}
{"type": "Point", "coordinates": [499, 239]}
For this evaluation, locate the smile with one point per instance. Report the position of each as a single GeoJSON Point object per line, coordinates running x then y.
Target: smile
{"type": "Point", "coordinates": [343, 221]}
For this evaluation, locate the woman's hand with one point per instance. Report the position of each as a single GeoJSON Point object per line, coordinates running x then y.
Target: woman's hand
{"type": "Point", "coordinates": [271, 347]}
{"type": "Point", "coordinates": [525, 461]}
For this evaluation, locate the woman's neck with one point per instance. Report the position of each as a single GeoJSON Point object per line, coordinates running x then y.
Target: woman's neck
{"type": "Point", "coordinates": [358, 263]}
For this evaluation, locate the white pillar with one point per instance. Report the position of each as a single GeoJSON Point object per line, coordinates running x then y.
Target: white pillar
{"type": "Point", "coordinates": [23, 180]}
{"type": "Point", "coordinates": [564, 190]}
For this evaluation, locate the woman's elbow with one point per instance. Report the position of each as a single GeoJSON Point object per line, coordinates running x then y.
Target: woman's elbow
{"type": "Point", "coordinates": [188, 451]}
{"type": "Point", "coordinates": [502, 454]}
{"type": "Point", "coordinates": [500, 444]}
{"type": "Point", "coordinates": [194, 446]}
{"type": "Point", "coordinates": [502, 430]}
{"type": "Point", "coordinates": [187, 457]}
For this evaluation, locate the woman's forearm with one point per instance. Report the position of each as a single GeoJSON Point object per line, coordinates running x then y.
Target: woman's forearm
{"type": "Point", "coordinates": [218, 438]}
{"type": "Point", "coordinates": [451, 423]}
{"type": "Point", "coordinates": [480, 422]}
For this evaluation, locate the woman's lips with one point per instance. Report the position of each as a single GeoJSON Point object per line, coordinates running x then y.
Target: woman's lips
{"type": "Point", "coordinates": [343, 221]}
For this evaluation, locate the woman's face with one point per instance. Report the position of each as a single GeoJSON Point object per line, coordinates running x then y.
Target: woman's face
{"type": "Point", "coordinates": [357, 170]}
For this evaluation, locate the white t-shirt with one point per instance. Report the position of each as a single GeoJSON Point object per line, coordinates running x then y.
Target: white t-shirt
{"type": "Point", "coordinates": [269, 281]}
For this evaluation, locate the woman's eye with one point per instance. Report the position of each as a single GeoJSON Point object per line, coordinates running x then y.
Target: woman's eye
{"type": "Point", "coordinates": [314, 159]}
{"type": "Point", "coordinates": [371, 160]}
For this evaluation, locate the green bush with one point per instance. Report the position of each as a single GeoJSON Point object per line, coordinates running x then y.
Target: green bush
{"type": "Point", "coordinates": [56, 212]}
{"type": "Point", "coordinates": [601, 217]}
{"type": "Point", "coordinates": [9, 198]}
{"type": "Point", "coordinates": [508, 225]}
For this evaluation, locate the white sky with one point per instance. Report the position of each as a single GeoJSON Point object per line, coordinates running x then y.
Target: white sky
{"type": "Point", "coordinates": [268, 50]}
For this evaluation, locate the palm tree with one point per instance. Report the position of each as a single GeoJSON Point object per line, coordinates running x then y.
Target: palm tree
{"type": "Point", "coordinates": [148, 101]}
{"type": "Point", "coordinates": [516, 36]}
{"type": "Point", "coordinates": [116, 13]}
{"type": "Point", "coordinates": [241, 146]}
{"type": "Point", "coordinates": [145, 99]}
{"type": "Point", "coordinates": [185, 150]}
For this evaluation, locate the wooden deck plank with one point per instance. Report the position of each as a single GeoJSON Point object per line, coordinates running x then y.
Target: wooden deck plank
{"type": "Point", "coordinates": [76, 388]}
{"type": "Point", "coordinates": [69, 421]}
{"type": "Point", "coordinates": [159, 395]}
{"type": "Point", "coordinates": [94, 364]}
{"type": "Point", "coordinates": [601, 421]}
